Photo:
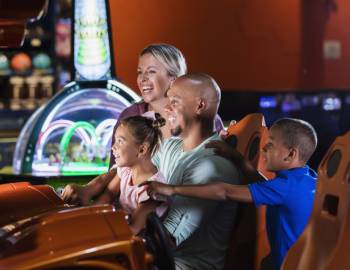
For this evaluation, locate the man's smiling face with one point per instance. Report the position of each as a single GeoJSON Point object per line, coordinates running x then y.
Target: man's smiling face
{"type": "Point", "coordinates": [180, 111]}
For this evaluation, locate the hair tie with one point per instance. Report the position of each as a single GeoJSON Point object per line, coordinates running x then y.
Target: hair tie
{"type": "Point", "coordinates": [159, 121]}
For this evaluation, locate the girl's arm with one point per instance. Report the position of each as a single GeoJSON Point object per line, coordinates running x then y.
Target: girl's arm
{"type": "Point", "coordinates": [97, 185]}
{"type": "Point", "coordinates": [214, 191]}
{"type": "Point", "coordinates": [82, 195]}
{"type": "Point", "coordinates": [111, 192]}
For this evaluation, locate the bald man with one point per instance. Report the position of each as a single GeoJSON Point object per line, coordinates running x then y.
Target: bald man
{"type": "Point", "coordinates": [200, 228]}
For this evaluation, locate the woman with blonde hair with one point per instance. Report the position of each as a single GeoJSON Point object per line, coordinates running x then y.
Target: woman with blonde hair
{"type": "Point", "coordinates": [159, 65]}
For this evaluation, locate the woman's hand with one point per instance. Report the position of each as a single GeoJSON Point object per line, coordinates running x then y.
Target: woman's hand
{"type": "Point", "coordinates": [224, 133]}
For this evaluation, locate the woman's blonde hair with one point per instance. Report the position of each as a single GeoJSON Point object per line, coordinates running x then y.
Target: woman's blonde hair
{"type": "Point", "coordinates": [170, 56]}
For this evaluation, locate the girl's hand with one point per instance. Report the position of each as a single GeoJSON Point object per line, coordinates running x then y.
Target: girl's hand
{"type": "Point", "coordinates": [74, 194]}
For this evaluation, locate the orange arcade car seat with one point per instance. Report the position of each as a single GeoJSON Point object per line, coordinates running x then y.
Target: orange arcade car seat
{"type": "Point", "coordinates": [22, 200]}
{"type": "Point", "coordinates": [38, 231]}
{"type": "Point", "coordinates": [249, 244]}
{"type": "Point", "coordinates": [95, 237]}
{"type": "Point", "coordinates": [324, 243]}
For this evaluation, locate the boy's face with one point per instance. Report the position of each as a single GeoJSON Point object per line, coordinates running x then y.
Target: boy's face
{"type": "Point", "coordinates": [275, 153]}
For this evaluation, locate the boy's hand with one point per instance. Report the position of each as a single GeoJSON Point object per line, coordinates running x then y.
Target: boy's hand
{"type": "Point", "coordinates": [156, 188]}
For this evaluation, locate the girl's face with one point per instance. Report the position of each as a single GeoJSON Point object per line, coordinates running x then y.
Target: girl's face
{"type": "Point", "coordinates": [153, 79]}
{"type": "Point", "coordinates": [126, 152]}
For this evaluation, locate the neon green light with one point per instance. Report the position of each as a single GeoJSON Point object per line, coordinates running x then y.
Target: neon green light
{"type": "Point", "coordinates": [84, 168]}
{"type": "Point", "coordinates": [69, 134]}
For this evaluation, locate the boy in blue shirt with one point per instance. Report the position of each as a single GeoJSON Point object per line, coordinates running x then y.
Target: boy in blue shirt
{"type": "Point", "coordinates": [289, 196]}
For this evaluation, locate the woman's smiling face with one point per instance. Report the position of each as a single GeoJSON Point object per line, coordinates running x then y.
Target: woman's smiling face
{"type": "Point", "coordinates": [153, 78]}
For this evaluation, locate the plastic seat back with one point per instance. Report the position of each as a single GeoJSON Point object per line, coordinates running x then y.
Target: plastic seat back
{"type": "Point", "coordinates": [22, 200]}
{"type": "Point", "coordinates": [324, 242]}
{"type": "Point", "coordinates": [249, 240]}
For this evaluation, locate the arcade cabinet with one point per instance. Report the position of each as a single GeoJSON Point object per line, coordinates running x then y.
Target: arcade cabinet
{"type": "Point", "coordinates": [71, 135]}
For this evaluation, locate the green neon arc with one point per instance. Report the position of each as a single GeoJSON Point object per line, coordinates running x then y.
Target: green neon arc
{"type": "Point", "coordinates": [69, 134]}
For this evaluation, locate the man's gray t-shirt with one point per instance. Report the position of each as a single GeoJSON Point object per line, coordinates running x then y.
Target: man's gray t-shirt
{"type": "Point", "coordinates": [201, 228]}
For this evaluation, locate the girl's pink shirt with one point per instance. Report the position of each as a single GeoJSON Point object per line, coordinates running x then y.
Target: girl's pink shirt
{"type": "Point", "coordinates": [132, 195]}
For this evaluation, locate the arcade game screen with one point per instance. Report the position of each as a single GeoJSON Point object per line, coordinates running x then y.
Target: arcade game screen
{"type": "Point", "coordinates": [75, 138]}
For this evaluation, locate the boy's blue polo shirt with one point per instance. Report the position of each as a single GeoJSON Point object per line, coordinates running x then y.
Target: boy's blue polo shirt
{"type": "Point", "coordinates": [289, 198]}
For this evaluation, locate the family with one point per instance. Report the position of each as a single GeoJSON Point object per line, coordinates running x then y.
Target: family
{"type": "Point", "coordinates": [169, 156]}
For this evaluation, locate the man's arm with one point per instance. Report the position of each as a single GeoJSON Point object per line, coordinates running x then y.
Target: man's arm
{"type": "Point", "coordinates": [223, 149]}
{"type": "Point", "coordinates": [213, 191]}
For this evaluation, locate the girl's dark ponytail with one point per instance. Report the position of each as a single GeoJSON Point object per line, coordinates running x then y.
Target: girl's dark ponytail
{"type": "Point", "coordinates": [145, 129]}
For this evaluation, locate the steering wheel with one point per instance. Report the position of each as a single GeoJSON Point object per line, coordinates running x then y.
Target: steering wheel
{"type": "Point", "coordinates": [157, 242]}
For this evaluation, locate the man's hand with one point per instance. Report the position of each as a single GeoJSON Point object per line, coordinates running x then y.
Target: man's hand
{"type": "Point", "coordinates": [74, 194]}
{"type": "Point", "coordinates": [225, 150]}
{"type": "Point", "coordinates": [154, 189]}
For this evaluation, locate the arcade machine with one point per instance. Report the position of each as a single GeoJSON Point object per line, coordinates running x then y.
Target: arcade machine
{"type": "Point", "coordinates": [69, 138]}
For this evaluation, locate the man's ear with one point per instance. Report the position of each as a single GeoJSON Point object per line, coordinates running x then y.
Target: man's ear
{"type": "Point", "coordinates": [201, 105]}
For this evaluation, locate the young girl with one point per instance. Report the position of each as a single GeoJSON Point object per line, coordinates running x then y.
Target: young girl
{"type": "Point", "coordinates": [136, 139]}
